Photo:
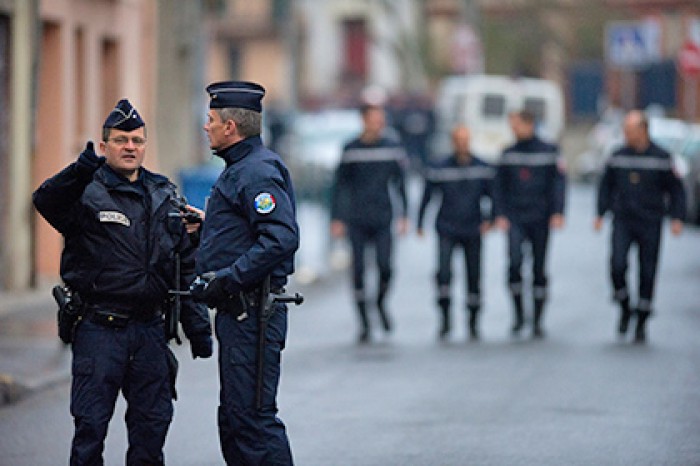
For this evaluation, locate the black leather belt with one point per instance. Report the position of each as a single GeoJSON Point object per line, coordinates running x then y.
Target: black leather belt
{"type": "Point", "coordinates": [118, 318]}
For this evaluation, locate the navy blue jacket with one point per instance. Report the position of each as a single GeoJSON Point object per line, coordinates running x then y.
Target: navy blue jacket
{"type": "Point", "coordinates": [530, 182]}
{"type": "Point", "coordinates": [641, 185]}
{"type": "Point", "coordinates": [463, 187]}
{"type": "Point", "coordinates": [120, 241]}
{"type": "Point", "coordinates": [250, 229]}
{"type": "Point", "coordinates": [361, 190]}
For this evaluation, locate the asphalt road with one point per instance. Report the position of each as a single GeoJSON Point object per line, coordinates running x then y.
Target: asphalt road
{"type": "Point", "coordinates": [579, 397]}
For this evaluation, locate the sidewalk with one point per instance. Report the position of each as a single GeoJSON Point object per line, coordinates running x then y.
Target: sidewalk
{"type": "Point", "coordinates": [32, 357]}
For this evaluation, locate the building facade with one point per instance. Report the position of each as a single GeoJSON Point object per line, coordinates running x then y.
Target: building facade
{"type": "Point", "coordinates": [63, 66]}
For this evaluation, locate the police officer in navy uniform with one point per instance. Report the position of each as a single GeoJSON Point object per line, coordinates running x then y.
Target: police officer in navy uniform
{"type": "Point", "coordinates": [361, 207]}
{"type": "Point", "coordinates": [463, 181]}
{"type": "Point", "coordinates": [122, 233]}
{"type": "Point", "coordinates": [639, 187]}
{"type": "Point", "coordinates": [529, 200]}
{"type": "Point", "coordinates": [249, 236]}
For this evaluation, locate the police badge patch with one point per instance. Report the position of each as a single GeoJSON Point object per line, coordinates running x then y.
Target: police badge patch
{"type": "Point", "coordinates": [108, 216]}
{"type": "Point", "coordinates": [264, 203]}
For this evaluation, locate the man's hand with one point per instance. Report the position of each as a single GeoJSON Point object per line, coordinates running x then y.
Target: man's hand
{"type": "Point", "coordinates": [556, 221]}
{"type": "Point", "coordinates": [402, 226]}
{"type": "Point", "coordinates": [598, 223]}
{"type": "Point", "coordinates": [337, 229]}
{"type": "Point", "coordinates": [208, 289]}
{"type": "Point", "coordinates": [192, 218]}
{"type": "Point", "coordinates": [484, 227]}
{"type": "Point", "coordinates": [88, 161]}
{"type": "Point", "coordinates": [502, 223]}
{"type": "Point", "coordinates": [201, 346]}
{"type": "Point", "coordinates": [676, 227]}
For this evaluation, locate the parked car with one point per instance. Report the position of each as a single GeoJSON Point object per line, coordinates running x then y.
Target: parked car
{"type": "Point", "coordinates": [313, 146]}
{"type": "Point", "coordinates": [690, 153]}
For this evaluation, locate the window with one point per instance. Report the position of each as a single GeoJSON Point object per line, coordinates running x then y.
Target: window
{"type": "Point", "coordinates": [536, 106]}
{"type": "Point", "coordinates": [494, 106]}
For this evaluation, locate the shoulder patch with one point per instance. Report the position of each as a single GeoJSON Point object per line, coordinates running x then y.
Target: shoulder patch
{"type": "Point", "coordinates": [264, 203]}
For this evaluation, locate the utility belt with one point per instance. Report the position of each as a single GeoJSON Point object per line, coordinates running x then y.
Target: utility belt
{"type": "Point", "coordinates": [72, 309]}
{"type": "Point", "coordinates": [117, 318]}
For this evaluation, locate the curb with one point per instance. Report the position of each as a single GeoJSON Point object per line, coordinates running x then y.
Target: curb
{"type": "Point", "coordinates": [13, 389]}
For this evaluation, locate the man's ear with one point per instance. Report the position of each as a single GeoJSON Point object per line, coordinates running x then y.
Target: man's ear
{"type": "Point", "coordinates": [103, 147]}
{"type": "Point", "coordinates": [230, 128]}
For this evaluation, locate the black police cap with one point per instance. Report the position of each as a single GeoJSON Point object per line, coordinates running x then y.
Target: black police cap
{"type": "Point", "coordinates": [236, 94]}
{"type": "Point", "coordinates": [124, 117]}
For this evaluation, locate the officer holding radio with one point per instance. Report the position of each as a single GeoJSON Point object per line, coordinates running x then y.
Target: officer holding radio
{"type": "Point", "coordinates": [123, 233]}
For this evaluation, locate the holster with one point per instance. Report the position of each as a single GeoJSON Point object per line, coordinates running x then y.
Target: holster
{"type": "Point", "coordinates": [70, 311]}
{"type": "Point", "coordinates": [238, 305]}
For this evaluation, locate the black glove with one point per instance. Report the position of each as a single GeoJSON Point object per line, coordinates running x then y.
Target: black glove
{"type": "Point", "coordinates": [208, 289]}
{"type": "Point", "coordinates": [201, 346]}
{"type": "Point", "coordinates": [88, 162]}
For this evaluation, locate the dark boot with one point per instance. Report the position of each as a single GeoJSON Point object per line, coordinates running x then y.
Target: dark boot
{"type": "Point", "coordinates": [518, 316]}
{"type": "Point", "coordinates": [640, 334]}
{"type": "Point", "coordinates": [445, 325]}
{"type": "Point", "coordinates": [473, 322]}
{"type": "Point", "coordinates": [538, 311]}
{"type": "Point", "coordinates": [625, 315]}
{"type": "Point", "coordinates": [364, 322]}
{"type": "Point", "coordinates": [381, 307]}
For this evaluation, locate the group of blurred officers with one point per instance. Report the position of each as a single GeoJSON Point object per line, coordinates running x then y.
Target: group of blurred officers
{"type": "Point", "coordinates": [523, 194]}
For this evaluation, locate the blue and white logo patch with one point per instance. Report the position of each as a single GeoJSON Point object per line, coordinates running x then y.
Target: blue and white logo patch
{"type": "Point", "coordinates": [264, 203]}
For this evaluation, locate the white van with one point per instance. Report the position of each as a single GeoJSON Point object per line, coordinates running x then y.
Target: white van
{"type": "Point", "coordinates": [483, 103]}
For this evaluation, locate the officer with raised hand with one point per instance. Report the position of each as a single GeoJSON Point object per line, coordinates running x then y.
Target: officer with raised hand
{"type": "Point", "coordinates": [639, 186]}
{"type": "Point", "coordinates": [529, 196]}
{"type": "Point", "coordinates": [463, 181]}
{"type": "Point", "coordinates": [122, 234]}
{"type": "Point", "coordinates": [361, 207]}
{"type": "Point", "coordinates": [247, 246]}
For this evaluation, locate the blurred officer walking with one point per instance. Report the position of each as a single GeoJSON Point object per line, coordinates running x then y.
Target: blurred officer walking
{"type": "Point", "coordinates": [529, 194]}
{"type": "Point", "coordinates": [361, 207]}
{"type": "Point", "coordinates": [463, 181]}
{"type": "Point", "coordinates": [248, 242]}
{"type": "Point", "coordinates": [638, 186]}
{"type": "Point", "coordinates": [122, 233]}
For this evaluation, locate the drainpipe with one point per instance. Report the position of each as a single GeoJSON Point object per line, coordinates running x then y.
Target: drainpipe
{"type": "Point", "coordinates": [22, 84]}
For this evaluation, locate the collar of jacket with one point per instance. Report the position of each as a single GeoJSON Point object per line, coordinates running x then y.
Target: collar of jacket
{"type": "Point", "coordinates": [651, 149]}
{"type": "Point", "coordinates": [113, 180]}
{"type": "Point", "coordinates": [239, 150]}
{"type": "Point", "coordinates": [534, 140]}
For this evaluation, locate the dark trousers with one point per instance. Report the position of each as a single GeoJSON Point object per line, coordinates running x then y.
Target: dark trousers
{"type": "Point", "coordinates": [472, 264]}
{"type": "Point", "coordinates": [134, 360]}
{"type": "Point", "coordinates": [537, 234]}
{"type": "Point", "coordinates": [360, 237]}
{"type": "Point", "coordinates": [248, 436]}
{"type": "Point", "coordinates": [647, 237]}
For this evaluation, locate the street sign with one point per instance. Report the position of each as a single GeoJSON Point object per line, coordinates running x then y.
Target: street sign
{"type": "Point", "coordinates": [689, 59]}
{"type": "Point", "coordinates": [631, 44]}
